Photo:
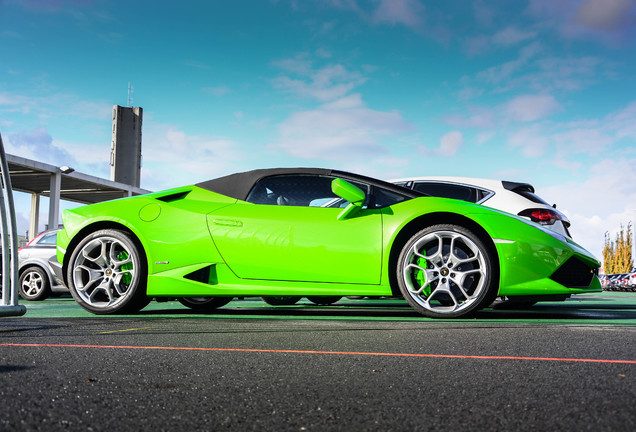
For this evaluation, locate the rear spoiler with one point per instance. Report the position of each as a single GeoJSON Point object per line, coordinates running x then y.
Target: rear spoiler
{"type": "Point", "coordinates": [514, 186]}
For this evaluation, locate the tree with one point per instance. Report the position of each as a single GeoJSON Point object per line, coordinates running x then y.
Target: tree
{"type": "Point", "coordinates": [617, 255]}
{"type": "Point", "coordinates": [608, 255]}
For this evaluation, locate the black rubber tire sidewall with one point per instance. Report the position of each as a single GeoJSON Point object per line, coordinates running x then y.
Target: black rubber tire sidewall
{"type": "Point", "coordinates": [136, 299]}
{"type": "Point", "coordinates": [485, 297]}
{"type": "Point", "coordinates": [208, 305]}
{"type": "Point", "coordinates": [281, 300]}
{"type": "Point", "coordinates": [44, 293]}
{"type": "Point", "coordinates": [323, 300]}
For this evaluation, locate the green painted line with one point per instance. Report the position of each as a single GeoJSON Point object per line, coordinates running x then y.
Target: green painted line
{"type": "Point", "coordinates": [600, 309]}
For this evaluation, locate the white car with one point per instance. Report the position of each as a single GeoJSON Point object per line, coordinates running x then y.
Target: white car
{"type": "Point", "coordinates": [516, 198]}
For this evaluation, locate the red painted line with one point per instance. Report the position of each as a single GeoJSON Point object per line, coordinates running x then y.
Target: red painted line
{"type": "Point", "coordinates": [278, 351]}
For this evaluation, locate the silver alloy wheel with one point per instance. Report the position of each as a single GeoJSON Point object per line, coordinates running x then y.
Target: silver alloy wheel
{"type": "Point", "coordinates": [445, 272]}
{"type": "Point", "coordinates": [32, 283]}
{"type": "Point", "coordinates": [103, 271]}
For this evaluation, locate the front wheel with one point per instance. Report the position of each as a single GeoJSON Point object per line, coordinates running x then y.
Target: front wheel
{"type": "Point", "coordinates": [107, 273]}
{"type": "Point", "coordinates": [34, 284]}
{"type": "Point", "coordinates": [446, 271]}
{"type": "Point", "coordinates": [204, 304]}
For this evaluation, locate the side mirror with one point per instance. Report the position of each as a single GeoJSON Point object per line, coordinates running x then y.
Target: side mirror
{"type": "Point", "coordinates": [350, 193]}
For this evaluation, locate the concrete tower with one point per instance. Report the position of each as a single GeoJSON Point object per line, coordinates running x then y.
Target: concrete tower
{"type": "Point", "coordinates": [125, 152]}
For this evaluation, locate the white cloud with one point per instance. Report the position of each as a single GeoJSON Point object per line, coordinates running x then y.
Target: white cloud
{"type": "Point", "coordinates": [47, 106]}
{"type": "Point", "coordinates": [327, 83]}
{"type": "Point", "coordinates": [450, 143]}
{"type": "Point", "coordinates": [505, 38]}
{"type": "Point", "coordinates": [504, 72]}
{"type": "Point", "coordinates": [604, 14]}
{"type": "Point", "coordinates": [512, 36]}
{"type": "Point", "coordinates": [601, 203]}
{"type": "Point", "coordinates": [623, 122]}
{"type": "Point", "coordinates": [591, 141]}
{"type": "Point", "coordinates": [38, 144]}
{"type": "Point", "coordinates": [172, 157]}
{"type": "Point", "coordinates": [530, 140]}
{"type": "Point", "coordinates": [406, 12]}
{"type": "Point", "coordinates": [479, 118]}
{"type": "Point", "coordinates": [528, 108]}
{"type": "Point", "coordinates": [338, 131]}
{"type": "Point", "coordinates": [610, 21]}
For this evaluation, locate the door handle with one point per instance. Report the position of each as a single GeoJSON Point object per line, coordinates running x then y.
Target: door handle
{"type": "Point", "coordinates": [227, 222]}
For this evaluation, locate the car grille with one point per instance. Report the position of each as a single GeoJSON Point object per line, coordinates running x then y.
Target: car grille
{"type": "Point", "coordinates": [574, 273]}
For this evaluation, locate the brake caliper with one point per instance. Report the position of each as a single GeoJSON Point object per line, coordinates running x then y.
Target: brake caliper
{"type": "Point", "coordinates": [127, 277]}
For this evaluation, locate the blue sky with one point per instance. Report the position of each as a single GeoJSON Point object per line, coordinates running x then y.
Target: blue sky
{"type": "Point", "coordinates": [539, 91]}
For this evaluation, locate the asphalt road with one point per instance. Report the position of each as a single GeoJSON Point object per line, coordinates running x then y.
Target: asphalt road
{"type": "Point", "coordinates": [357, 365]}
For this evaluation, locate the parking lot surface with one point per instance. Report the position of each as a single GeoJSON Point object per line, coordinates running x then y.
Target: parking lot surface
{"type": "Point", "coordinates": [369, 364]}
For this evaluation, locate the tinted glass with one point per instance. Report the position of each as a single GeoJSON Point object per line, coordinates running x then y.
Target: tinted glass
{"type": "Point", "coordinates": [48, 239]}
{"type": "Point", "coordinates": [531, 196]}
{"type": "Point", "coordinates": [384, 198]}
{"type": "Point", "coordinates": [445, 190]}
{"type": "Point", "coordinates": [296, 190]}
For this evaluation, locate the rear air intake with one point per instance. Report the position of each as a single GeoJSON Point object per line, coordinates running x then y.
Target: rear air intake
{"type": "Point", "coordinates": [574, 274]}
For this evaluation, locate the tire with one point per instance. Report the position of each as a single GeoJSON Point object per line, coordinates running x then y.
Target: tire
{"type": "Point", "coordinates": [281, 300]}
{"type": "Point", "coordinates": [513, 303]}
{"type": "Point", "coordinates": [324, 300]}
{"type": "Point", "coordinates": [34, 284]}
{"type": "Point", "coordinates": [446, 271]}
{"type": "Point", "coordinates": [204, 304]}
{"type": "Point", "coordinates": [108, 272]}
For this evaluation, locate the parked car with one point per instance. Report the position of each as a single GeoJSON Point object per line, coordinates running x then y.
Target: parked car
{"type": "Point", "coordinates": [512, 197]}
{"type": "Point", "coordinates": [619, 282]}
{"type": "Point", "coordinates": [267, 233]}
{"type": "Point", "coordinates": [631, 282]}
{"type": "Point", "coordinates": [37, 279]}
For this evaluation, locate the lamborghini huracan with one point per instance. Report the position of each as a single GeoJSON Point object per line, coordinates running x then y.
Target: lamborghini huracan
{"type": "Point", "coordinates": [272, 232]}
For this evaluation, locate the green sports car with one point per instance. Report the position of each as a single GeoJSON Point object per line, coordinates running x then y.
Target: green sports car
{"type": "Point", "coordinates": [311, 232]}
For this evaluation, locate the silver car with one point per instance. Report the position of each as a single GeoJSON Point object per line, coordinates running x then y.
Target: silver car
{"type": "Point", "coordinates": [37, 280]}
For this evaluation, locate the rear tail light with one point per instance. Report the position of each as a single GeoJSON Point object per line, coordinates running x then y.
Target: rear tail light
{"type": "Point", "coordinates": [542, 216]}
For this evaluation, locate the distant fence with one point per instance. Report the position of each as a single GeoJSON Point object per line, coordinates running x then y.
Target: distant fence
{"type": "Point", "coordinates": [9, 303]}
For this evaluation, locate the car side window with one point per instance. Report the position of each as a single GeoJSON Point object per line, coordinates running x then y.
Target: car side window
{"type": "Point", "coordinates": [295, 190]}
{"type": "Point", "coordinates": [384, 198]}
{"type": "Point", "coordinates": [48, 239]}
{"type": "Point", "coordinates": [447, 190]}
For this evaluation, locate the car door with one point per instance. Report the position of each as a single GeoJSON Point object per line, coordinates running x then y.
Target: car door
{"type": "Point", "coordinates": [290, 237]}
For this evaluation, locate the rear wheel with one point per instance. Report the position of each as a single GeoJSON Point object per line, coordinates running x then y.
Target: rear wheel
{"type": "Point", "coordinates": [107, 273]}
{"type": "Point", "coordinates": [446, 271]}
{"type": "Point", "coordinates": [281, 300]}
{"type": "Point", "coordinates": [34, 284]}
{"type": "Point", "coordinates": [204, 304]}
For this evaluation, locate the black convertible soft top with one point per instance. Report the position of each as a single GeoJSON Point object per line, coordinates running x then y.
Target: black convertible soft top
{"type": "Point", "coordinates": [239, 185]}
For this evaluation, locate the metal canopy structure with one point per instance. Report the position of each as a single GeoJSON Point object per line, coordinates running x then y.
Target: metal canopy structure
{"type": "Point", "coordinates": [61, 183]}
{"type": "Point", "coordinates": [35, 177]}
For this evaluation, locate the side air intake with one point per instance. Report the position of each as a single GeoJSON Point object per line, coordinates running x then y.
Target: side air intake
{"type": "Point", "coordinates": [174, 197]}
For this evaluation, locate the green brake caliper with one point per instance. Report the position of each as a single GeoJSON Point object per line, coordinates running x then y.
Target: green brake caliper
{"type": "Point", "coordinates": [126, 278]}
{"type": "Point", "coordinates": [420, 276]}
